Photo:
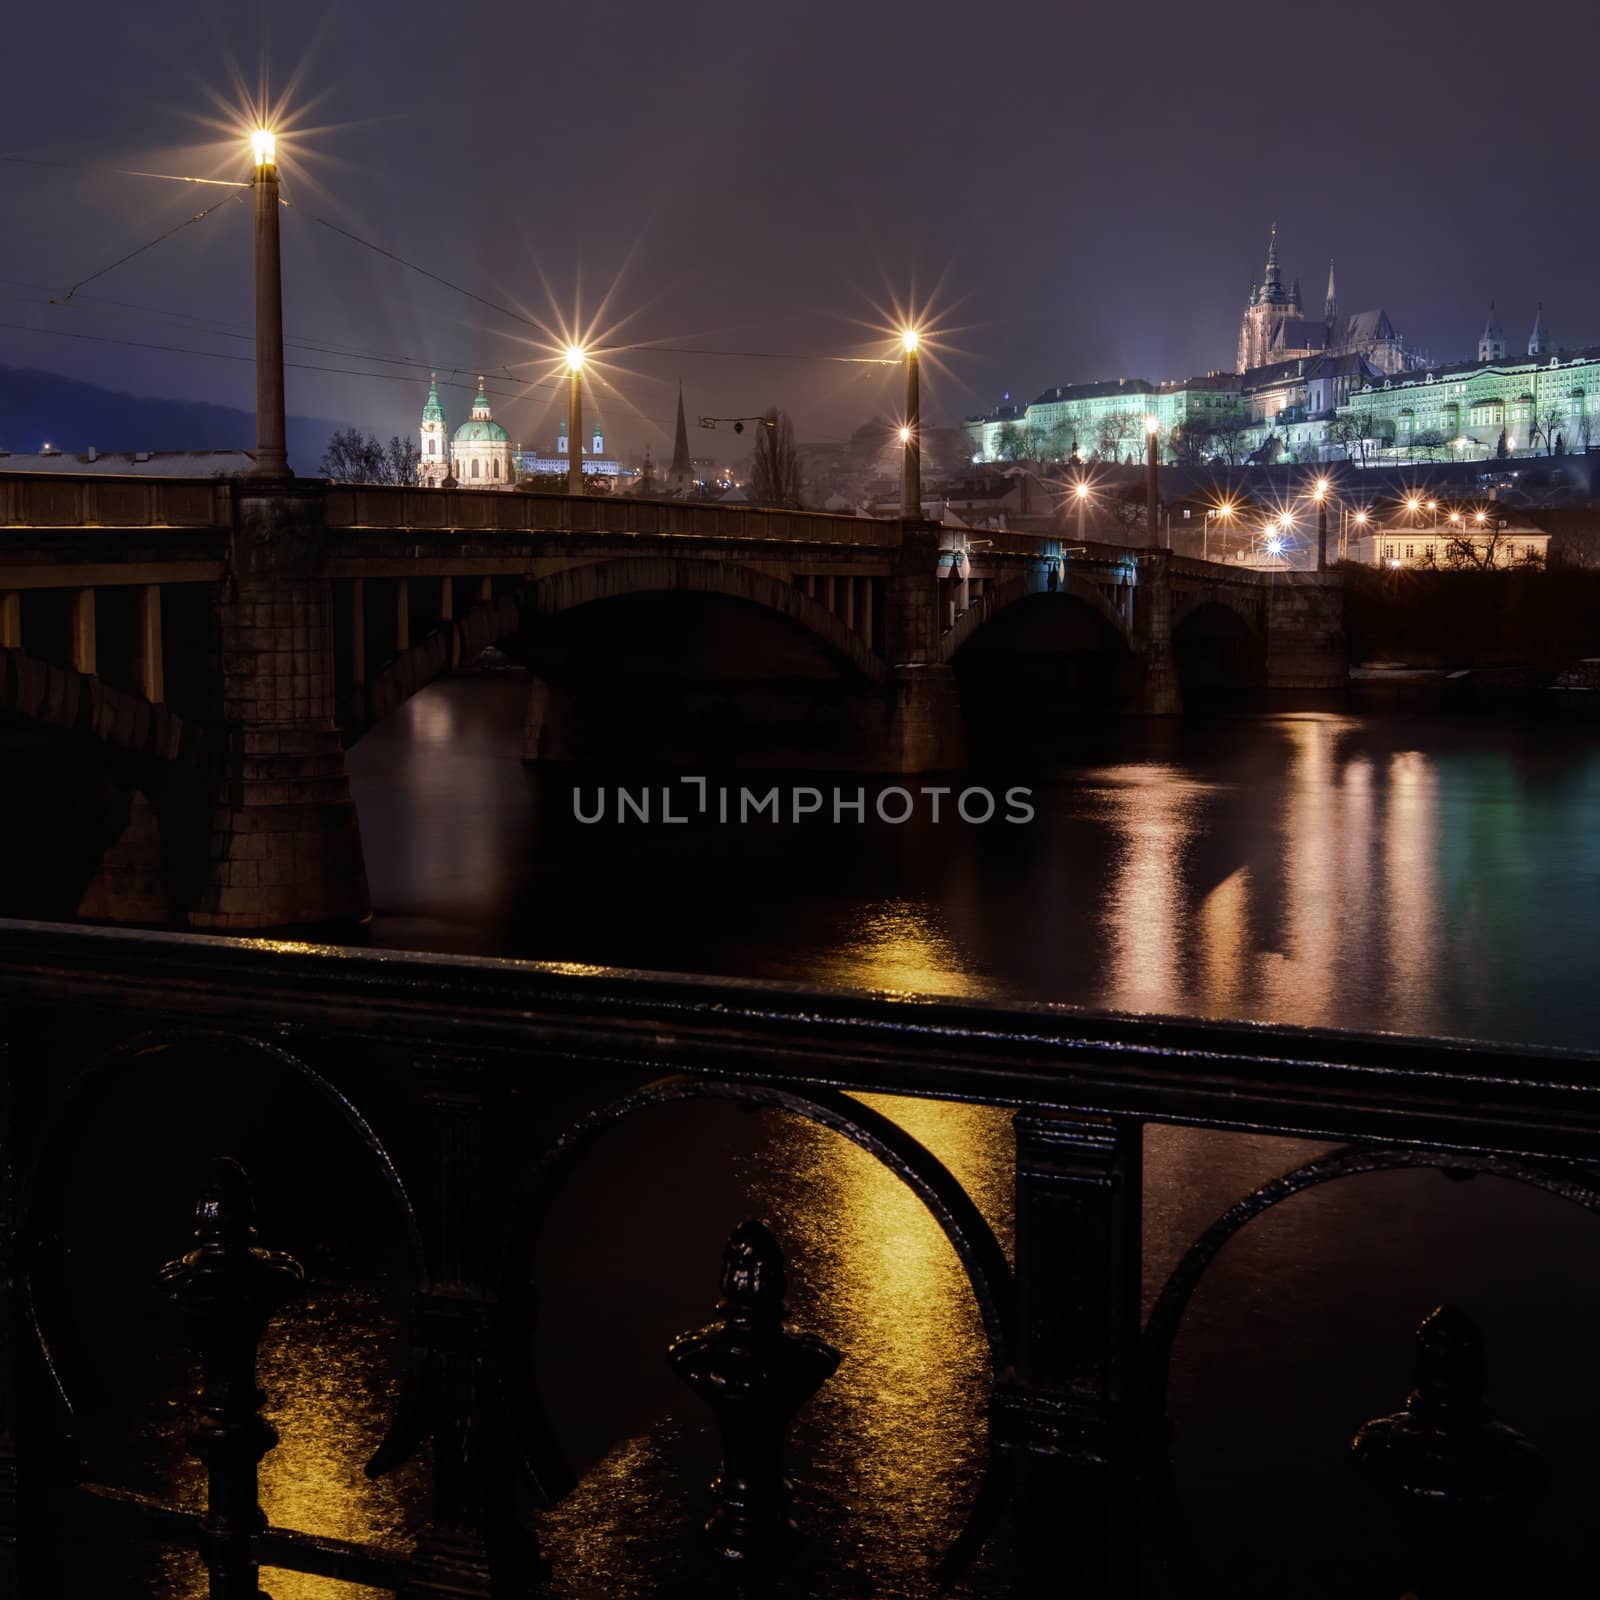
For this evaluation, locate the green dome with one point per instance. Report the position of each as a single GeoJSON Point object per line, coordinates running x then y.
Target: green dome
{"type": "Point", "coordinates": [433, 411]}
{"type": "Point", "coordinates": [477, 432]}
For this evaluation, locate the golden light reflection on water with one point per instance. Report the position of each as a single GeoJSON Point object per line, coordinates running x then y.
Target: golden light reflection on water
{"type": "Point", "coordinates": [904, 947]}
{"type": "Point", "coordinates": [1149, 809]}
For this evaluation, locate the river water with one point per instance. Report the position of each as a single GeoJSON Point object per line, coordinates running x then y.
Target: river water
{"type": "Point", "coordinates": [1414, 875]}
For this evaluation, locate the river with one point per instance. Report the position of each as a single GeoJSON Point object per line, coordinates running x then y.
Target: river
{"type": "Point", "coordinates": [1408, 874]}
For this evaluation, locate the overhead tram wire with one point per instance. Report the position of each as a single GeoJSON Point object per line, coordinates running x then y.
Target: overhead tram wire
{"type": "Point", "coordinates": [124, 172]}
{"type": "Point", "coordinates": [412, 266]}
{"type": "Point", "coordinates": [520, 393]}
{"type": "Point", "coordinates": [111, 266]}
{"type": "Point", "coordinates": [599, 349]}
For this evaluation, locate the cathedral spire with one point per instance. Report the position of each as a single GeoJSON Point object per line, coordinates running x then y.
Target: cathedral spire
{"type": "Point", "coordinates": [681, 473]}
{"type": "Point", "coordinates": [1270, 278]}
{"type": "Point", "coordinates": [1330, 304]}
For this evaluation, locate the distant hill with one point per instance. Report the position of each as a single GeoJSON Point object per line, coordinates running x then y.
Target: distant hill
{"type": "Point", "coordinates": [39, 406]}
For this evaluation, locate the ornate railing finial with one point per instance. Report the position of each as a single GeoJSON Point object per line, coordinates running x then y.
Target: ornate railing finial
{"type": "Point", "coordinates": [1454, 1475]}
{"type": "Point", "coordinates": [229, 1288]}
{"type": "Point", "coordinates": [755, 1375]}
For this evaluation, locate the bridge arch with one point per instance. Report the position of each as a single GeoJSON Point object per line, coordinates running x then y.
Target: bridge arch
{"type": "Point", "coordinates": [587, 583]}
{"type": "Point", "coordinates": [1218, 645]}
{"type": "Point", "coordinates": [1003, 595]}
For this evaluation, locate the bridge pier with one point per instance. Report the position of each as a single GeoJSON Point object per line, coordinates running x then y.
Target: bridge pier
{"type": "Point", "coordinates": [1306, 647]}
{"type": "Point", "coordinates": [285, 846]}
{"type": "Point", "coordinates": [546, 728]}
{"type": "Point", "coordinates": [924, 731]}
{"type": "Point", "coordinates": [1158, 692]}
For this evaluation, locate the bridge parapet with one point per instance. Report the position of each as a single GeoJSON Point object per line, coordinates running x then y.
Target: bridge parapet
{"type": "Point", "coordinates": [385, 506]}
{"type": "Point", "coordinates": [84, 500]}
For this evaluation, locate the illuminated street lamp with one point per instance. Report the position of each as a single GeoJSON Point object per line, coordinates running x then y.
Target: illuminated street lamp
{"type": "Point", "coordinates": [1223, 512]}
{"type": "Point", "coordinates": [1152, 426]}
{"type": "Point", "coordinates": [575, 360]}
{"type": "Point", "coordinates": [1360, 519]}
{"type": "Point", "coordinates": [1081, 494]}
{"type": "Point", "coordinates": [272, 456]}
{"type": "Point", "coordinates": [1319, 493]}
{"type": "Point", "coordinates": [910, 433]}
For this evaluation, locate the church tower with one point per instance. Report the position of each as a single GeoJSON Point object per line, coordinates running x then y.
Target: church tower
{"type": "Point", "coordinates": [1270, 304]}
{"type": "Point", "coordinates": [1492, 341]}
{"type": "Point", "coordinates": [434, 461]}
{"type": "Point", "coordinates": [1330, 306]}
{"type": "Point", "coordinates": [1539, 341]}
{"type": "Point", "coordinates": [680, 475]}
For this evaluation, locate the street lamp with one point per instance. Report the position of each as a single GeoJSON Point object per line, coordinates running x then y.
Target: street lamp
{"type": "Point", "coordinates": [272, 456]}
{"type": "Point", "coordinates": [1223, 512]}
{"type": "Point", "coordinates": [1152, 426]}
{"type": "Point", "coordinates": [1081, 494]}
{"type": "Point", "coordinates": [1361, 519]}
{"type": "Point", "coordinates": [575, 361]}
{"type": "Point", "coordinates": [1319, 493]}
{"type": "Point", "coordinates": [910, 440]}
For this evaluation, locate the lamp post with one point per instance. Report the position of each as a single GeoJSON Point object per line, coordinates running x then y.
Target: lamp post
{"type": "Point", "coordinates": [1082, 494]}
{"type": "Point", "coordinates": [1151, 428]}
{"type": "Point", "coordinates": [1360, 519]}
{"type": "Point", "coordinates": [910, 433]}
{"type": "Point", "coordinates": [1320, 494]}
{"type": "Point", "coordinates": [574, 419]}
{"type": "Point", "coordinates": [1224, 514]}
{"type": "Point", "coordinates": [272, 457]}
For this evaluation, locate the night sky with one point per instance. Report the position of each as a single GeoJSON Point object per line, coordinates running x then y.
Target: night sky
{"type": "Point", "coordinates": [1074, 193]}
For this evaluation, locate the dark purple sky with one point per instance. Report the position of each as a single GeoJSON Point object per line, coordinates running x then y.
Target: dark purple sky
{"type": "Point", "coordinates": [1077, 192]}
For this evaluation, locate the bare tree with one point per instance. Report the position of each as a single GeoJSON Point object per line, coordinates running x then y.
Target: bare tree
{"type": "Point", "coordinates": [1547, 428]}
{"type": "Point", "coordinates": [1228, 435]}
{"type": "Point", "coordinates": [1429, 444]}
{"type": "Point", "coordinates": [1190, 443]}
{"type": "Point", "coordinates": [400, 459]}
{"type": "Point", "coordinates": [775, 464]}
{"type": "Point", "coordinates": [356, 457]}
{"type": "Point", "coordinates": [1116, 428]}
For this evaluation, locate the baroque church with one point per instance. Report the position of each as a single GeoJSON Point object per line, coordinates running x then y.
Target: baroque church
{"type": "Point", "coordinates": [1275, 328]}
{"type": "Point", "coordinates": [480, 456]}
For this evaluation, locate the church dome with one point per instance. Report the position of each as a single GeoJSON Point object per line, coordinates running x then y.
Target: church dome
{"type": "Point", "coordinates": [482, 428]}
{"type": "Point", "coordinates": [481, 432]}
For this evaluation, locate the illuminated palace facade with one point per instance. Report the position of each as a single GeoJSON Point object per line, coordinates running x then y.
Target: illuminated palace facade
{"type": "Point", "coordinates": [1102, 421]}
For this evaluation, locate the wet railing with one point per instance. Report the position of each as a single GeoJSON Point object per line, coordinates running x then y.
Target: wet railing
{"type": "Point", "coordinates": [422, 1057]}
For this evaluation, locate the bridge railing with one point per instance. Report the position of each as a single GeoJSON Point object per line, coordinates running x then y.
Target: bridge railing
{"type": "Point", "coordinates": [427, 1060]}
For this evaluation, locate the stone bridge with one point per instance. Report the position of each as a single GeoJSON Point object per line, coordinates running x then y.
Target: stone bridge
{"type": "Point", "coordinates": [189, 659]}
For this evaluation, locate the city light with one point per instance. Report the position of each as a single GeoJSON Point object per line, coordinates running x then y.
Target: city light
{"type": "Point", "coordinates": [1361, 519]}
{"type": "Point", "coordinates": [910, 339]}
{"type": "Point", "coordinates": [575, 358]}
{"type": "Point", "coordinates": [264, 143]}
{"type": "Point", "coordinates": [1414, 503]}
{"type": "Point", "coordinates": [1225, 510]}
{"type": "Point", "coordinates": [1152, 426]}
{"type": "Point", "coordinates": [1321, 490]}
{"type": "Point", "coordinates": [905, 436]}
{"type": "Point", "coordinates": [1082, 491]}
{"type": "Point", "coordinates": [1274, 545]}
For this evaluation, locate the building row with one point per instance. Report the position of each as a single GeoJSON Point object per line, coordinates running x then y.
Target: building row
{"type": "Point", "coordinates": [1338, 388]}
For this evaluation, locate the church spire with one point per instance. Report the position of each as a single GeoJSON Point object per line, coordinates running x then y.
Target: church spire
{"type": "Point", "coordinates": [681, 473]}
{"type": "Point", "coordinates": [1330, 304]}
{"type": "Point", "coordinates": [1539, 340]}
{"type": "Point", "coordinates": [1492, 341]}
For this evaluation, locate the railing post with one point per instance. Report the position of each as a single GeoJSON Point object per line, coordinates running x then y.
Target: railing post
{"type": "Point", "coordinates": [1453, 1474]}
{"type": "Point", "coordinates": [475, 1543]}
{"type": "Point", "coordinates": [229, 1289]}
{"type": "Point", "coordinates": [755, 1375]}
{"type": "Point", "coordinates": [1068, 1415]}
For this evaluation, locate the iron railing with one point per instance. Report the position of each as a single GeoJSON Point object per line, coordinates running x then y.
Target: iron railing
{"type": "Point", "coordinates": [1079, 1493]}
